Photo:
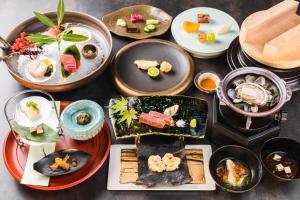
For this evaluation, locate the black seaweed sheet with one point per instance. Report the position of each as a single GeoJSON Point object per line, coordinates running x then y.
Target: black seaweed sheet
{"type": "Point", "coordinates": [189, 108]}
{"type": "Point", "coordinates": [151, 179]}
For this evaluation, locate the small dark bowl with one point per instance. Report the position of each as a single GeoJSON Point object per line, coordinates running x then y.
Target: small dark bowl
{"type": "Point", "coordinates": [280, 144]}
{"type": "Point", "coordinates": [239, 153]}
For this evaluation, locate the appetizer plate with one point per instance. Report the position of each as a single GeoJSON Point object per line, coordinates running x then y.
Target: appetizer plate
{"type": "Point", "coordinates": [101, 35]}
{"type": "Point", "coordinates": [115, 165]}
{"type": "Point", "coordinates": [190, 42]}
{"type": "Point", "coordinates": [15, 158]}
{"type": "Point", "coordinates": [188, 109]}
{"type": "Point", "coordinates": [132, 81]}
{"type": "Point", "coordinates": [148, 12]}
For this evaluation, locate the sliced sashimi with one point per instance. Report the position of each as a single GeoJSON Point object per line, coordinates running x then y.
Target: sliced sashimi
{"type": "Point", "coordinates": [52, 32]}
{"type": "Point", "coordinates": [69, 62]}
{"type": "Point", "coordinates": [151, 121]}
{"type": "Point", "coordinates": [167, 118]}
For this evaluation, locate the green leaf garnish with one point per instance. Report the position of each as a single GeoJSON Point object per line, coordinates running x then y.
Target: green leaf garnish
{"type": "Point", "coordinates": [49, 134]}
{"type": "Point", "coordinates": [32, 104]}
{"type": "Point", "coordinates": [73, 50]}
{"type": "Point", "coordinates": [40, 39]}
{"type": "Point", "coordinates": [60, 12]}
{"type": "Point", "coordinates": [44, 19]}
{"type": "Point", "coordinates": [70, 37]}
{"type": "Point", "coordinates": [128, 116]}
{"type": "Point", "coordinates": [119, 105]}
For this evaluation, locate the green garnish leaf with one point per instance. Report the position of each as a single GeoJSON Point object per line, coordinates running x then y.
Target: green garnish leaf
{"type": "Point", "coordinates": [44, 19]}
{"type": "Point", "coordinates": [120, 105]}
{"type": "Point", "coordinates": [49, 134]}
{"type": "Point", "coordinates": [60, 12]}
{"type": "Point", "coordinates": [73, 50]}
{"type": "Point", "coordinates": [40, 39]}
{"type": "Point", "coordinates": [63, 72]}
{"type": "Point", "coordinates": [128, 116]}
{"type": "Point", "coordinates": [32, 104]}
{"type": "Point", "coordinates": [70, 37]}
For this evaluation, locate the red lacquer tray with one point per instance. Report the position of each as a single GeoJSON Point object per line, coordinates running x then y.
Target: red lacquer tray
{"type": "Point", "coordinates": [15, 157]}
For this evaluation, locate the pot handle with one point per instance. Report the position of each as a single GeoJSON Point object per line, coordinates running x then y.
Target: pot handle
{"type": "Point", "coordinates": [289, 91]}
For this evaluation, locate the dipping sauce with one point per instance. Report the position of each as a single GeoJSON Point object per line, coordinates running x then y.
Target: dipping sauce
{"type": "Point", "coordinates": [208, 84]}
{"type": "Point", "coordinates": [282, 164]}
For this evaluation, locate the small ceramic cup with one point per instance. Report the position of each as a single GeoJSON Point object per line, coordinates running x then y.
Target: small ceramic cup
{"type": "Point", "coordinates": [206, 75]}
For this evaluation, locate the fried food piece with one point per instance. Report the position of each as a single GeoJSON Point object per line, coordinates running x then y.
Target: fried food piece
{"type": "Point", "coordinates": [62, 163]}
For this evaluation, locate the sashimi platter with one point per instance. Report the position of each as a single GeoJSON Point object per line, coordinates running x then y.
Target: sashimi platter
{"type": "Point", "coordinates": [156, 135]}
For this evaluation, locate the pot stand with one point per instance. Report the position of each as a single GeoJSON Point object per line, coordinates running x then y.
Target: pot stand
{"type": "Point", "coordinates": [232, 130]}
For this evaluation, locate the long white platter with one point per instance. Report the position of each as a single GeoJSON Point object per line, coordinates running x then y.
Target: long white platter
{"type": "Point", "coordinates": [115, 164]}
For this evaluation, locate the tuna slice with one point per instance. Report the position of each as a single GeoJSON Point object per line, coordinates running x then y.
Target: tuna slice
{"type": "Point", "coordinates": [151, 121]}
{"type": "Point", "coordinates": [71, 65]}
{"type": "Point", "coordinates": [167, 118]}
{"type": "Point", "coordinates": [52, 32]}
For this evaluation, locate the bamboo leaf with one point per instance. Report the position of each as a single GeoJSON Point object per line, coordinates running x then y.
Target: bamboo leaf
{"type": "Point", "coordinates": [49, 134]}
{"type": "Point", "coordinates": [40, 39]}
{"type": "Point", "coordinates": [60, 11]}
{"type": "Point", "coordinates": [73, 50]}
{"type": "Point", "coordinates": [70, 37]}
{"type": "Point", "coordinates": [44, 19]}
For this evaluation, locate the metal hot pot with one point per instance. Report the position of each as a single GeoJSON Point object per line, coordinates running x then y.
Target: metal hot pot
{"type": "Point", "coordinates": [284, 91]}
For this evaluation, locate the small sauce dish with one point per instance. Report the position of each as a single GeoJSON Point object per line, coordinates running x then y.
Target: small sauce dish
{"type": "Point", "coordinates": [207, 82]}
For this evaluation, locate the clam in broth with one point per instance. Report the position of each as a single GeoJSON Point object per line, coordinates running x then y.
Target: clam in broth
{"type": "Point", "coordinates": [253, 94]}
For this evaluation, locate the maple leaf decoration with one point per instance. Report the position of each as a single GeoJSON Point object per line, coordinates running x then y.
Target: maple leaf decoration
{"type": "Point", "coordinates": [128, 116]}
{"type": "Point", "coordinates": [120, 105]}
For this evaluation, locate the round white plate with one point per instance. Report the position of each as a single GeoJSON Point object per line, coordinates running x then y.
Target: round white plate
{"type": "Point", "coordinates": [190, 42]}
{"type": "Point", "coordinates": [45, 110]}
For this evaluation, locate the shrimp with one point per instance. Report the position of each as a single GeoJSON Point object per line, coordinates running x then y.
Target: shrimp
{"type": "Point", "coordinates": [37, 69]}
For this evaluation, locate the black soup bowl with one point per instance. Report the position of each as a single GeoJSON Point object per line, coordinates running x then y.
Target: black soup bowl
{"type": "Point", "coordinates": [241, 154]}
{"type": "Point", "coordinates": [281, 146]}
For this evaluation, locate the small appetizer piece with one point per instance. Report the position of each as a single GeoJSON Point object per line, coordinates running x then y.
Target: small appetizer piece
{"type": "Point", "coordinates": [211, 38]}
{"type": "Point", "coordinates": [155, 164]}
{"type": "Point", "coordinates": [180, 123]}
{"type": "Point", "coordinates": [193, 123]}
{"type": "Point", "coordinates": [171, 162]}
{"type": "Point", "coordinates": [37, 129]}
{"type": "Point", "coordinates": [146, 64]}
{"type": "Point", "coordinates": [152, 21]}
{"type": "Point", "coordinates": [89, 51]}
{"type": "Point", "coordinates": [279, 167]}
{"type": "Point", "coordinates": [171, 111]}
{"type": "Point", "coordinates": [121, 23]}
{"type": "Point", "coordinates": [136, 18]}
{"type": "Point", "coordinates": [153, 72]}
{"type": "Point", "coordinates": [31, 110]}
{"type": "Point", "coordinates": [225, 28]}
{"type": "Point", "coordinates": [70, 61]}
{"type": "Point", "coordinates": [287, 170]}
{"type": "Point", "coordinates": [167, 118]}
{"type": "Point", "coordinates": [132, 30]}
{"type": "Point", "coordinates": [74, 162]}
{"type": "Point", "coordinates": [40, 70]}
{"type": "Point", "coordinates": [190, 27]}
{"type": "Point", "coordinates": [151, 120]}
{"type": "Point", "coordinates": [276, 157]}
{"type": "Point", "coordinates": [83, 118]}
{"type": "Point", "coordinates": [62, 163]}
{"type": "Point", "coordinates": [149, 28]}
{"type": "Point", "coordinates": [202, 37]}
{"type": "Point", "coordinates": [165, 67]}
{"type": "Point", "coordinates": [203, 18]}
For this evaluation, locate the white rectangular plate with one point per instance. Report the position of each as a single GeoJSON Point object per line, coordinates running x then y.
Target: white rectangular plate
{"type": "Point", "coordinates": [115, 164]}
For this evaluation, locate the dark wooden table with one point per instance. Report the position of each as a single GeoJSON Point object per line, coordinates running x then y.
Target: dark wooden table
{"type": "Point", "coordinates": [12, 12]}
